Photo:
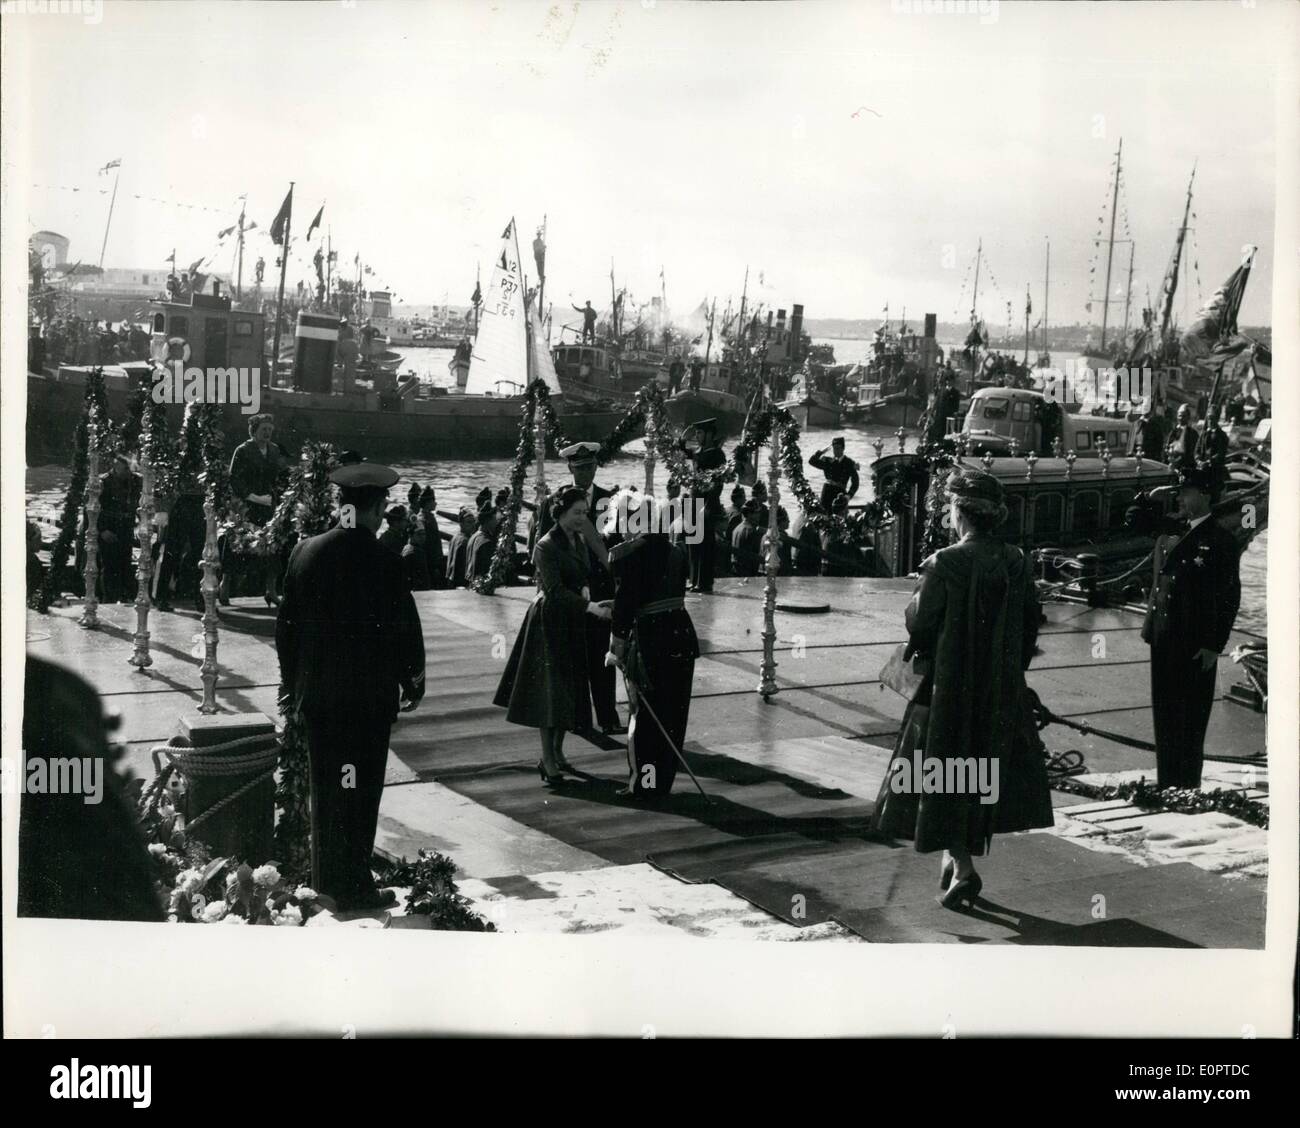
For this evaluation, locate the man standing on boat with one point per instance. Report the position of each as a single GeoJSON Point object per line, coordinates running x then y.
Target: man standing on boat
{"type": "Point", "coordinates": [1180, 451]}
{"type": "Point", "coordinates": [588, 323]}
{"type": "Point", "coordinates": [1149, 434]}
{"type": "Point", "coordinates": [697, 373]}
{"type": "Point", "coordinates": [676, 374]}
{"type": "Point", "coordinates": [351, 655]}
{"type": "Point", "coordinates": [841, 472]}
{"type": "Point", "coordinates": [1195, 595]}
{"type": "Point", "coordinates": [600, 677]}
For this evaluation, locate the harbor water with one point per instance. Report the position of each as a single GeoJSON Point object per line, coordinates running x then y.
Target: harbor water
{"type": "Point", "coordinates": [457, 481]}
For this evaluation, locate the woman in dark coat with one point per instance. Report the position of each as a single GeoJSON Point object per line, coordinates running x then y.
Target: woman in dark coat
{"type": "Point", "coordinates": [969, 733]}
{"type": "Point", "coordinates": [652, 638]}
{"type": "Point", "coordinates": [544, 685]}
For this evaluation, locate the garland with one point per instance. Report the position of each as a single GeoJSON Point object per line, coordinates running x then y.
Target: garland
{"type": "Point", "coordinates": [302, 511]}
{"type": "Point", "coordinates": [292, 789]}
{"type": "Point", "coordinates": [214, 476]}
{"type": "Point", "coordinates": [94, 411]}
{"type": "Point", "coordinates": [156, 445]}
{"type": "Point", "coordinates": [537, 398]}
{"type": "Point", "coordinates": [1183, 800]}
{"type": "Point", "coordinates": [433, 893]}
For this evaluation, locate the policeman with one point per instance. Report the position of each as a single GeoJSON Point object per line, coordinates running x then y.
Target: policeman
{"type": "Point", "coordinates": [1195, 595]}
{"type": "Point", "coordinates": [349, 642]}
{"type": "Point", "coordinates": [841, 473]}
{"type": "Point", "coordinates": [582, 466]}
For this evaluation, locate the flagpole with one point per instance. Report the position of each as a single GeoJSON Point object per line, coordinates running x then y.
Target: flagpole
{"type": "Point", "coordinates": [279, 302]}
{"type": "Point", "coordinates": [239, 275]}
{"type": "Point", "coordinates": [329, 263]}
{"type": "Point", "coordinates": [104, 246]}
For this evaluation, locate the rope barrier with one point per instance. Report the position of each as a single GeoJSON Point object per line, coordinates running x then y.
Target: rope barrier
{"type": "Point", "coordinates": [252, 783]}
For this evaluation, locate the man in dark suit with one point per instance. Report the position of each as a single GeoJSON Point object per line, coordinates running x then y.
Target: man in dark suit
{"type": "Point", "coordinates": [1180, 450]}
{"type": "Point", "coordinates": [1194, 600]}
{"type": "Point", "coordinates": [708, 455]}
{"type": "Point", "coordinates": [349, 642]}
{"type": "Point", "coordinates": [582, 466]}
{"type": "Point", "coordinates": [1149, 431]}
{"type": "Point", "coordinates": [840, 470]}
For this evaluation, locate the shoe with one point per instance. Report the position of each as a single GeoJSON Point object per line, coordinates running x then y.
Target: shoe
{"type": "Point", "coordinates": [369, 902]}
{"type": "Point", "coordinates": [565, 766]}
{"type": "Point", "coordinates": [163, 605]}
{"type": "Point", "coordinates": [549, 780]}
{"type": "Point", "coordinates": [945, 876]}
{"type": "Point", "coordinates": [962, 892]}
{"type": "Point", "coordinates": [614, 730]}
{"type": "Point", "coordinates": [271, 600]}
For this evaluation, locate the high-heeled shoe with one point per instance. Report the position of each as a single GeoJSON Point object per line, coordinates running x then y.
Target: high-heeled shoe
{"type": "Point", "coordinates": [962, 892]}
{"type": "Point", "coordinates": [549, 780]}
{"type": "Point", "coordinates": [945, 875]}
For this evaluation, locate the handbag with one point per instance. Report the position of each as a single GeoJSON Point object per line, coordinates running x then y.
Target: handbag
{"type": "Point", "coordinates": [906, 676]}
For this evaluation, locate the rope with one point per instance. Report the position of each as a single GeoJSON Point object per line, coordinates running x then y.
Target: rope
{"type": "Point", "coordinates": [1043, 717]}
{"type": "Point", "coordinates": [208, 761]}
{"type": "Point", "coordinates": [252, 783]}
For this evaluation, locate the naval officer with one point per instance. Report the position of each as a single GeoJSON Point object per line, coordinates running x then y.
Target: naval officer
{"type": "Point", "coordinates": [601, 678]}
{"type": "Point", "coordinates": [1194, 599]}
{"type": "Point", "coordinates": [351, 654]}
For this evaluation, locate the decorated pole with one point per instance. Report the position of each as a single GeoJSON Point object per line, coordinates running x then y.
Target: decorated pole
{"type": "Point", "coordinates": [767, 683]}
{"type": "Point", "coordinates": [208, 670]}
{"type": "Point", "coordinates": [90, 615]}
{"type": "Point", "coordinates": [539, 457]}
{"type": "Point", "coordinates": [650, 438]}
{"type": "Point", "coordinates": [144, 533]}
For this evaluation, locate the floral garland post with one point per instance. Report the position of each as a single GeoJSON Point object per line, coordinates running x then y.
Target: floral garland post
{"type": "Point", "coordinates": [94, 414]}
{"type": "Point", "coordinates": [210, 565]}
{"type": "Point", "coordinates": [141, 658]}
{"type": "Point", "coordinates": [767, 686]}
{"type": "Point", "coordinates": [90, 613]}
{"type": "Point", "coordinates": [534, 402]}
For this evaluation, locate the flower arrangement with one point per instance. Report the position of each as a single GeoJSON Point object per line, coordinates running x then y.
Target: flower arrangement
{"type": "Point", "coordinates": [200, 890]}
{"type": "Point", "coordinates": [433, 893]}
{"type": "Point", "coordinates": [1185, 800]}
{"type": "Point", "coordinates": [292, 791]}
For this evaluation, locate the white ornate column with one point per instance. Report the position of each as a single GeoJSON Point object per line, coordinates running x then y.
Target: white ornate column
{"type": "Point", "coordinates": [90, 614]}
{"type": "Point", "coordinates": [651, 436]}
{"type": "Point", "coordinates": [767, 682]}
{"type": "Point", "coordinates": [211, 562]}
{"type": "Point", "coordinates": [144, 533]}
{"type": "Point", "coordinates": [539, 459]}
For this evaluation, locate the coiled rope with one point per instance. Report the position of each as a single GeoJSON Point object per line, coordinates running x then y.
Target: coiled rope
{"type": "Point", "coordinates": [209, 762]}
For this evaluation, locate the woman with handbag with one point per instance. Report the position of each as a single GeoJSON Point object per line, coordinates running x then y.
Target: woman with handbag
{"type": "Point", "coordinates": [974, 620]}
{"type": "Point", "coordinates": [545, 684]}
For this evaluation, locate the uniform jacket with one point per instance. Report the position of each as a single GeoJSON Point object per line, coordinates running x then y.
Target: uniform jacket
{"type": "Point", "coordinates": [1196, 590]}
{"type": "Point", "coordinates": [251, 472]}
{"type": "Point", "coordinates": [348, 635]}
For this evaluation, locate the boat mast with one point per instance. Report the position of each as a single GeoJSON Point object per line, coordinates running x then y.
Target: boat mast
{"type": "Point", "coordinates": [1128, 292]}
{"type": "Point", "coordinates": [239, 270]}
{"type": "Point", "coordinates": [1047, 281]}
{"type": "Point", "coordinates": [744, 293]}
{"type": "Point", "coordinates": [1028, 307]}
{"type": "Point", "coordinates": [1110, 248]}
{"type": "Point", "coordinates": [975, 293]}
{"type": "Point", "coordinates": [329, 264]}
{"type": "Point", "coordinates": [108, 222]}
{"type": "Point", "coordinates": [1171, 279]}
{"type": "Point", "coordinates": [284, 268]}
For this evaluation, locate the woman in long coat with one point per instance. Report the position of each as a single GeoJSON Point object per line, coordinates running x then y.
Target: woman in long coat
{"type": "Point", "coordinates": [653, 639]}
{"type": "Point", "coordinates": [974, 616]}
{"type": "Point", "coordinates": [544, 685]}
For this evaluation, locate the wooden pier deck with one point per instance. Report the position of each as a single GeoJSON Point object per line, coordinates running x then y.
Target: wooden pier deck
{"type": "Point", "coordinates": [792, 780]}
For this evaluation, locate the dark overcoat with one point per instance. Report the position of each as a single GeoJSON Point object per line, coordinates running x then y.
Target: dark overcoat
{"type": "Point", "coordinates": [545, 680]}
{"type": "Point", "coordinates": [975, 613]}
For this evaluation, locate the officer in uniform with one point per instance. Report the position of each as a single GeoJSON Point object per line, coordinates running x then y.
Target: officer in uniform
{"type": "Point", "coordinates": [1180, 450]}
{"type": "Point", "coordinates": [582, 466]}
{"type": "Point", "coordinates": [349, 642]}
{"type": "Point", "coordinates": [841, 473]}
{"type": "Point", "coordinates": [1194, 600]}
{"type": "Point", "coordinates": [708, 456]}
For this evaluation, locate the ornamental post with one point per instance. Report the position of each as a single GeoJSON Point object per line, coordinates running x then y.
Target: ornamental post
{"type": "Point", "coordinates": [651, 435]}
{"type": "Point", "coordinates": [767, 681]}
{"type": "Point", "coordinates": [211, 562]}
{"type": "Point", "coordinates": [539, 457]}
{"type": "Point", "coordinates": [90, 614]}
{"type": "Point", "coordinates": [144, 533]}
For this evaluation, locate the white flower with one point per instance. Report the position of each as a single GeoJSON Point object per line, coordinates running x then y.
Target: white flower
{"type": "Point", "coordinates": [305, 893]}
{"type": "Point", "coordinates": [266, 875]}
{"type": "Point", "coordinates": [232, 918]}
{"type": "Point", "coordinates": [289, 915]}
{"type": "Point", "coordinates": [189, 881]}
{"type": "Point", "coordinates": [215, 911]}
{"type": "Point", "coordinates": [157, 849]}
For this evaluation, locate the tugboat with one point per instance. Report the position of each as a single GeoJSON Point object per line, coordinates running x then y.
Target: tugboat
{"type": "Point", "coordinates": [899, 375]}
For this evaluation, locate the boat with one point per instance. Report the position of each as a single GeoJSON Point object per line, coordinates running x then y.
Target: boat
{"type": "Point", "coordinates": [892, 388]}
{"type": "Point", "coordinates": [404, 420]}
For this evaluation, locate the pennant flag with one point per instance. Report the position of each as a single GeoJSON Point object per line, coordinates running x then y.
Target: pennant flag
{"type": "Point", "coordinates": [226, 231]}
{"type": "Point", "coordinates": [282, 218]}
{"type": "Point", "coordinates": [111, 164]}
{"type": "Point", "coordinates": [1217, 319]}
{"type": "Point", "coordinates": [195, 265]}
{"type": "Point", "coordinates": [315, 223]}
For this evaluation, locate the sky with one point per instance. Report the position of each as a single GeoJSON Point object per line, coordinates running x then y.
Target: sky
{"type": "Point", "coordinates": [848, 155]}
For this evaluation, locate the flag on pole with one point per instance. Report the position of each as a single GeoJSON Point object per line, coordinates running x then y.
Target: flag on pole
{"type": "Point", "coordinates": [315, 223]}
{"type": "Point", "coordinates": [1217, 319]}
{"type": "Point", "coordinates": [111, 164]}
{"type": "Point", "coordinates": [281, 218]}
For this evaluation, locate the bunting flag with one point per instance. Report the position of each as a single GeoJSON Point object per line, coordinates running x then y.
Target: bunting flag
{"type": "Point", "coordinates": [226, 231]}
{"type": "Point", "coordinates": [282, 218]}
{"type": "Point", "coordinates": [111, 164]}
{"type": "Point", "coordinates": [315, 223]}
{"type": "Point", "coordinates": [1217, 319]}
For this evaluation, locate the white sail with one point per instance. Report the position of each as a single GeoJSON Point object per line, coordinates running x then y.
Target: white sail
{"type": "Point", "coordinates": [501, 347]}
{"type": "Point", "coordinates": [542, 367]}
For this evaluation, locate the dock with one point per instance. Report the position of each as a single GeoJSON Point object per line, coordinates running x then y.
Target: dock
{"type": "Point", "coordinates": [783, 851]}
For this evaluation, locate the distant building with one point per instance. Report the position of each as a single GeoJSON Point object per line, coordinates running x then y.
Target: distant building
{"type": "Point", "coordinates": [53, 249]}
